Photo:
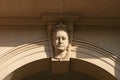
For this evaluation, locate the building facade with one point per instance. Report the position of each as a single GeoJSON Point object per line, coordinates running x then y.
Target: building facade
{"type": "Point", "coordinates": [25, 50]}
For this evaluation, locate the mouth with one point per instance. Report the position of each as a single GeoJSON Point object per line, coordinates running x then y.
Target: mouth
{"type": "Point", "coordinates": [60, 46]}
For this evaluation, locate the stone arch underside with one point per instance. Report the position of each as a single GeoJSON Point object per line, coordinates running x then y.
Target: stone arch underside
{"type": "Point", "coordinates": [83, 53]}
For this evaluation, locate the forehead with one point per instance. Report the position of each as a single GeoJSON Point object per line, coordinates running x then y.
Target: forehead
{"type": "Point", "coordinates": [61, 33]}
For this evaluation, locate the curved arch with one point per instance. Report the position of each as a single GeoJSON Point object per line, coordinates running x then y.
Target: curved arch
{"type": "Point", "coordinates": [98, 56]}
{"type": "Point", "coordinates": [90, 69]}
{"type": "Point", "coordinates": [84, 51]}
{"type": "Point", "coordinates": [22, 55]}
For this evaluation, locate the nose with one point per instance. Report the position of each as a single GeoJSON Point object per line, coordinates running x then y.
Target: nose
{"type": "Point", "coordinates": [60, 40]}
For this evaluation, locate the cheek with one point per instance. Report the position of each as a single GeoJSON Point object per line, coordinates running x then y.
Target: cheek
{"type": "Point", "coordinates": [66, 43]}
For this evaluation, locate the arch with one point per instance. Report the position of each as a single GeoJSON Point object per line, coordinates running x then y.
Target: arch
{"type": "Point", "coordinates": [96, 55]}
{"type": "Point", "coordinates": [81, 51]}
{"type": "Point", "coordinates": [90, 69]}
{"type": "Point", "coordinates": [22, 55]}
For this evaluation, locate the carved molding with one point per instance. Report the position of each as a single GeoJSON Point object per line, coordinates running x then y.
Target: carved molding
{"type": "Point", "coordinates": [16, 22]}
{"type": "Point", "coordinates": [35, 50]}
{"type": "Point", "coordinates": [41, 22]}
{"type": "Point", "coordinates": [85, 49]}
{"type": "Point", "coordinates": [98, 23]}
{"type": "Point", "coordinates": [55, 18]}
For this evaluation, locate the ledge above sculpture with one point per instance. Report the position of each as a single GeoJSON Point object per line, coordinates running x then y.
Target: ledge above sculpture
{"type": "Point", "coordinates": [50, 18]}
{"type": "Point", "coordinates": [54, 18]}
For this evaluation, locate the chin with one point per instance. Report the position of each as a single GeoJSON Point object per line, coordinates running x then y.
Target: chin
{"type": "Point", "coordinates": [61, 49]}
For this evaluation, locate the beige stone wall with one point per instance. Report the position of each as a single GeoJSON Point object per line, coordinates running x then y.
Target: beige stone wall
{"type": "Point", "coordinates": [21, 13]}
{"type": "Point", "coordinates": [105, 38]}
{"type": "Point", "coordinates": [11, 38]}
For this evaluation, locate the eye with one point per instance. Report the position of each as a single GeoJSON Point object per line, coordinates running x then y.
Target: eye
{"type": "Point", "coordinates": [63, 38]}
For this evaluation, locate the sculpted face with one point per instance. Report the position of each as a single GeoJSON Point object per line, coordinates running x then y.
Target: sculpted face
{"type": "Point", "coordinates": [60, 40]}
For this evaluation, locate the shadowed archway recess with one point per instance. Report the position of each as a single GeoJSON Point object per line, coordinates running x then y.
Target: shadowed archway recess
{"type": "Point", "coordinates": [85, 58]}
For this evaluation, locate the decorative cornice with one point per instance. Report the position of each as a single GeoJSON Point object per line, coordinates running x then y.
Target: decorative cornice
{"type": "Point", "coordinates": [15, 22]}
{"type": "Point", "coordinates": [98, 23]}
{"type": "Point", "coordinates": [81, 23]}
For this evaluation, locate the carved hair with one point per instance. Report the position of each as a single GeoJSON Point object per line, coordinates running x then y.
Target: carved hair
{"type": "Point", "coordinates": [63, 27]}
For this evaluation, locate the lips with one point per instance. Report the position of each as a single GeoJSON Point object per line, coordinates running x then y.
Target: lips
{"type": "Point", "coordinates": [60, 46]}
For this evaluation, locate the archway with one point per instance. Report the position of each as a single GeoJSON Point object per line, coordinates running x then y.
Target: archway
{"type": "Point", "coordinates": [41, 70]}
{"type": "Point", "coordinates": [85, 59]}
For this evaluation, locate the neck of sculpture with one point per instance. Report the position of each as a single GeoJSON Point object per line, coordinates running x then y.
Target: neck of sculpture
{"type": "Point", "coordinates": [60, 54]}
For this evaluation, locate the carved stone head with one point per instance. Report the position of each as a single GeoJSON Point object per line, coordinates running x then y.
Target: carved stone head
{"type": "Point", "coordinates": [61, 41]}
